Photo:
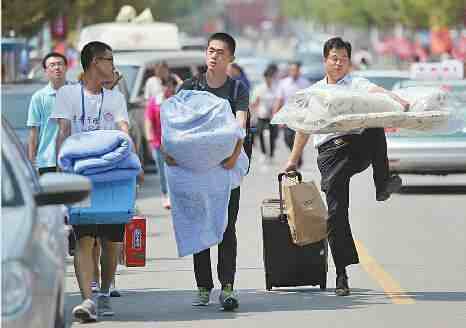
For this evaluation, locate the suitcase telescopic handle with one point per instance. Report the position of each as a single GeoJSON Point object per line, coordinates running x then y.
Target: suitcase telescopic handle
{"type": "Point", "coordinates": [289, 174]}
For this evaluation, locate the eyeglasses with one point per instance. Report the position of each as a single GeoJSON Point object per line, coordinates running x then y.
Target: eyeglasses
{"type": "Point", "coordinates": [57, 64]}
{"type": "Point", "coordinates": [110, 59]}
{"type": "Point", "coordinates": [342, 60]}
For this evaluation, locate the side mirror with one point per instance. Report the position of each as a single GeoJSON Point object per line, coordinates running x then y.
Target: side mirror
{"type": "Point", "coordinates": [62, 188]}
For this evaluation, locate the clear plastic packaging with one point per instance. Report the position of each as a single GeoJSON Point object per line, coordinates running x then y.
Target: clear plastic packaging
{"type": "Point", "coordinates": [339, 110]}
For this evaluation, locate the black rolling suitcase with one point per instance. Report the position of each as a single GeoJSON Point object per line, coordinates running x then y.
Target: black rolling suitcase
{"type": "Point", "coordinates": [286, 264]}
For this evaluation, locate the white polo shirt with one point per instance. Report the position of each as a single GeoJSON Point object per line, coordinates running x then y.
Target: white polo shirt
{"type": "Point", "coordinates": [350, 82]}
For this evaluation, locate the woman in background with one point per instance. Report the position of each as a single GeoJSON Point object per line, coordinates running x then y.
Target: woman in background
{"type": "Point", "coordinates": [264, 97]}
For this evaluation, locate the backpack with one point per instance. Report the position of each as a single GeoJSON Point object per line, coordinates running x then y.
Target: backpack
{"type": "Point", "coordinates": [232, 99]}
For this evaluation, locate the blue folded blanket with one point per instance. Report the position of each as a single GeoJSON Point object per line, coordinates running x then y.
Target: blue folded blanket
{"type": "Point", "coordinates": [102, 155]}
{"type": "Point", "coordinates": [199, 130]}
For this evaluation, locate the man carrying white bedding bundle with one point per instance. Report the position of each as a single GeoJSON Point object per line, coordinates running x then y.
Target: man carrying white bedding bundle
{"type": "Point", "coordinates": [86, 107]}
{"type": "Point", "coordinates": [342, 155]}
{"type": "Point", "coordinates": [219, 54]}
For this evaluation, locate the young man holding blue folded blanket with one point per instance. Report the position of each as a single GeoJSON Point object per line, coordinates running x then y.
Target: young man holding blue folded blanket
{"type": "Point", "coordinates": [219, 54]}
{"type": "Point", "coordinates": [82, 107]}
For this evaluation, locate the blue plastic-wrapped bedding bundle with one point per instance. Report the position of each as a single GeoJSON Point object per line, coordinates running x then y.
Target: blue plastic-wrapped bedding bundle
{"type": "Point", "coordinates": [199, 131]}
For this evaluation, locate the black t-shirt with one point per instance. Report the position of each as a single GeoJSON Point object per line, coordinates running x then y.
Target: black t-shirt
{"type": "Point", "coordinates": [226, 91]}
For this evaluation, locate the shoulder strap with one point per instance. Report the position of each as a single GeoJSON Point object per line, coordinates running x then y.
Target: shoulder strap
{"type": "Point", "coordinates": [236, 89]}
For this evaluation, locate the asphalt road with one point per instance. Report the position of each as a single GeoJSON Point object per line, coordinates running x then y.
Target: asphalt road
{"type": "Point", "coordinates": [412, 272]}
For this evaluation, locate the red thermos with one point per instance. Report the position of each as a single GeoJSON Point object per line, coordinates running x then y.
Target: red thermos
{"type": "Point", "coordinates": [135, 242]}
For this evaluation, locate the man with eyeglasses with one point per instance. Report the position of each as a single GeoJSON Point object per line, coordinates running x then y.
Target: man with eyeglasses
{"type": "Point", "coordinates": [82, 107]}
{"type": "Point", "coordinates": [43, 131]}
{"type": "Point", "coordinates": [342, 155]}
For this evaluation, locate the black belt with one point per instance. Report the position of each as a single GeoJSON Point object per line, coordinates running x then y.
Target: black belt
{"type": "Point", "coordinates": [335, 143]}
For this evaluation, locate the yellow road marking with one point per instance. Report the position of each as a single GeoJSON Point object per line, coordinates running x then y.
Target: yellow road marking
{"type": "Point", "coordinates": [391, 288]}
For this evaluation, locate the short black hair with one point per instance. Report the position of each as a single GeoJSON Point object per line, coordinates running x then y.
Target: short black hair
{"type": "Point", "coordinates": [336, 43]}
{"type": "Point", "coordinates": [271, 70]}
{"type": "Point", "coordinates": [226, 38]}
{"type": "Point", "coordinates": [53, 54]}
{"type": "Point", "coordinates": [297, 63]}
{"type": "Point", "coordinates": [92, 50]}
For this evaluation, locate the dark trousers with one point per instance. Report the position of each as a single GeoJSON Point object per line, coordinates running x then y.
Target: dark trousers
{"type": "Point", "coordinates": [339, 159]}
{"type": "Point", "coordinates": [262, 125]}
{"type": "Point", "coordinates": [226, 266]}
{"type": "Point", "coordinates": [288, 136]}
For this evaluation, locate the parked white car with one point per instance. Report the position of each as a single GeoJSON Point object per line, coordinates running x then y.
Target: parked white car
{"type": "Point", "coordinates": [413, 152]}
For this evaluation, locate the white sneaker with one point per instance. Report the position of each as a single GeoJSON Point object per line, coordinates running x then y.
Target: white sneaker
{"type": "Point", "coordinates": [86, 311]}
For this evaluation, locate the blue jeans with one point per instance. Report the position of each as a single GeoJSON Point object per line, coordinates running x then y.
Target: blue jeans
{"type": "Point", "coordinates": [160, 161]}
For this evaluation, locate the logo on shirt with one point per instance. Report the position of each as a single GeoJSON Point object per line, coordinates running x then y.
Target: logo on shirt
{"type": "Point", "coordinates": [108, 116]}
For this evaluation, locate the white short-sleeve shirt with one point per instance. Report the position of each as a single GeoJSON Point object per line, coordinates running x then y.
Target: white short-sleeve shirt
{"type": "Point", "coordinates": [154, 88]}
{"type": "Point", "coordinates": [350, 82]}
{"type": "Point", "coordinates": [267, 98]}
{"type": "Point", "coordinates": [101, 111]}
{"type": "Point", "coordinates": [288, 87]}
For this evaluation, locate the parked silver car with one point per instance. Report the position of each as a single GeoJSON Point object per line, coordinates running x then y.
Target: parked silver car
{"type": "Point", "coordinates": [430, 153]}
{"type": "Point", "coordinates": [34, 239]}
{"type": "Point", "coordinates": [15, 104]}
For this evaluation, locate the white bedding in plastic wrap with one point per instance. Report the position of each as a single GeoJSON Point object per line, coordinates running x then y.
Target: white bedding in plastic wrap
{"type": "Point", "coordinates": [199, 131]}
{"type": "Point", "coordinates": [317, 110]}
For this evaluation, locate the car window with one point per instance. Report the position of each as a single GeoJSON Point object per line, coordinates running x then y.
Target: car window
{"type": "Point", "coordinates": [184, 72]}
{"type": "Point", "coordinates": [10, 140]}
{"type": "Point", "coordinates": [456, 101]}
{"type": "Point", "coordinates": [11, 194]}
{"type": "Point", "coordinates": [386, 82]}
{"type": "Point", "coordinates": [15, 108]}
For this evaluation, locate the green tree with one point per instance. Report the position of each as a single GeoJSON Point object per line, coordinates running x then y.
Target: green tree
{"type": "Point", "coordinates": [26, 17]}
{"type": "Point", "coordinates": [363, 13]}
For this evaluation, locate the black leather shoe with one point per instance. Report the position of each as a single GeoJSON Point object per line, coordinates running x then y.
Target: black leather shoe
{"type": "Point", "coordinates": [342, 288]}
{"type": "Point", "coordinates": [394, 184]}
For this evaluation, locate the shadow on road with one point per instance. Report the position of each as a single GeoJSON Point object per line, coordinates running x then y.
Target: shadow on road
{"type": "Point", "coordinates": [175, 305]}
{"type": "Point", "coordinates": [433, 190]}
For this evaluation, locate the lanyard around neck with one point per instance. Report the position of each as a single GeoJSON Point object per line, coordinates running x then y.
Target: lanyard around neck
{"type": "Point", "coordinates": [83, 107]}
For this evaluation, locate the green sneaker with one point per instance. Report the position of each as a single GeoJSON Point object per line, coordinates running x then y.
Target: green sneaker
{"type": "Point", "coordinates": [202, 298]}
{"type": "Point", "coordinates": [228, 298]}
